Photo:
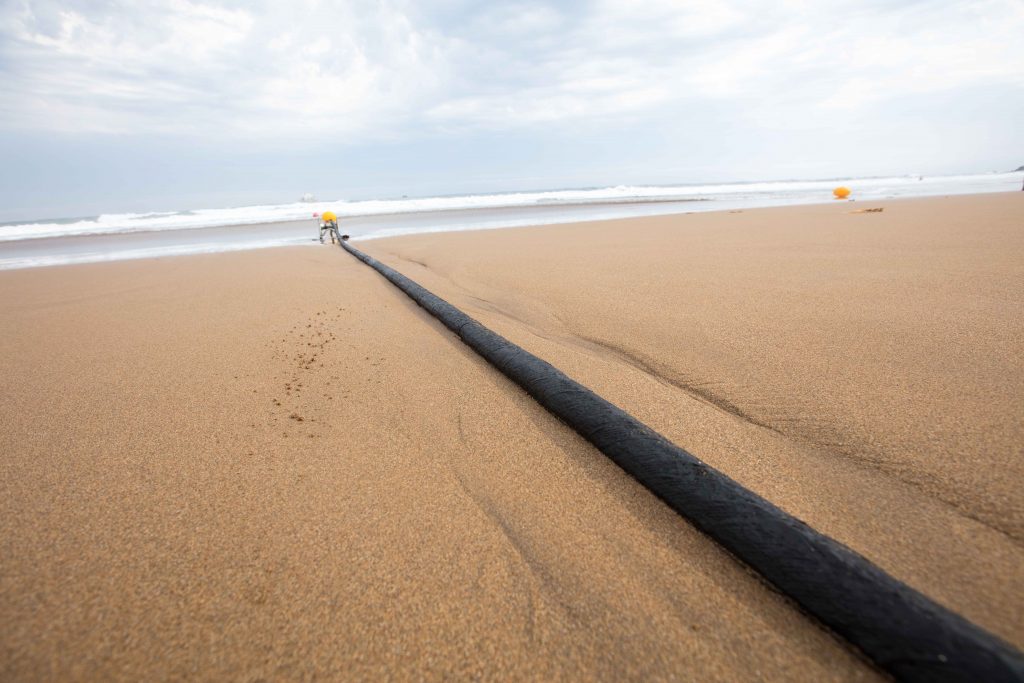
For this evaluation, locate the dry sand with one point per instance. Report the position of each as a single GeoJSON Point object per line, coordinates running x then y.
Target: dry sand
{"type": "Point", "coordinates": [271, 465]}
{"type": "Point", "coordinates": [863, 370]}
{"type": "Point", "coordinates": [165, 514]}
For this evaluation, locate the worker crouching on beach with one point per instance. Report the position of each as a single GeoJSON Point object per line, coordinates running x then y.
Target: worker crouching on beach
{"type": "Point", "coordinates": [329, 224]}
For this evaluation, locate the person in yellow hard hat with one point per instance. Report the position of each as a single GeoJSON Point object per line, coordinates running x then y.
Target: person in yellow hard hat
{"type": "Point", "coordinates": [329, 224]}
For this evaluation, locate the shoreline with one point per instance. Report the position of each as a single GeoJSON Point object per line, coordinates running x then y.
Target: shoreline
{"type": "Point", "coordinates": [821, 186]}
{"type": "Point", "coordinates": [111, 245]}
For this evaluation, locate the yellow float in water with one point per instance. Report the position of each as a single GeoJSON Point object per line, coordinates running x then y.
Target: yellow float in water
{"type": "Point", "coordinates": [329, 216]}
{"type": "Point", "coordinates": [841, 192]}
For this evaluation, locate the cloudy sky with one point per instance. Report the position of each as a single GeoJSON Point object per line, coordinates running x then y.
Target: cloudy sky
{"type": "Point", "coordinates": [116, 105]}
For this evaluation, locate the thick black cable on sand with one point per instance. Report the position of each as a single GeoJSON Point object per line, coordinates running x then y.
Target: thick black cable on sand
{"type": "Point", "coordinates": [901, 630]}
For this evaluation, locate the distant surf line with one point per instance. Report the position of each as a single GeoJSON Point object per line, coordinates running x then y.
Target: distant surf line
{"type": "Point", "coordinates": [743, 194]}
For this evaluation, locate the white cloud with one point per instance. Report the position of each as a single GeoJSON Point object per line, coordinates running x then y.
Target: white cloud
{"type": "Point", "coordinates": [192, 66]}
{"type": "Point", "coordinates": [352, 70]}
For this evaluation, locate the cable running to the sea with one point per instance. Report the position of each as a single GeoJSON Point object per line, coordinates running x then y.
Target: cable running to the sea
{"type": "Point", "coordinates": [901, 630]}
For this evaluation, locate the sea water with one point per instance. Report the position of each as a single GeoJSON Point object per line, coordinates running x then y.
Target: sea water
{"type": "Point", "coordinates": [139, 235]}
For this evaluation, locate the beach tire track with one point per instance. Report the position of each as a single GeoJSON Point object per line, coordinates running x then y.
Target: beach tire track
{"type": "Point", "coordinates": [898, 628]}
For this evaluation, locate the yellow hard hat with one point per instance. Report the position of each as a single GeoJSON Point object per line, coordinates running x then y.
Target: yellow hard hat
{"type": "Point", "coordinates": [328, 216]}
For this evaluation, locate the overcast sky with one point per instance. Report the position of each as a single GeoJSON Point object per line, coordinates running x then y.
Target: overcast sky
{"type": "Point", "coordinates": [110, 105]}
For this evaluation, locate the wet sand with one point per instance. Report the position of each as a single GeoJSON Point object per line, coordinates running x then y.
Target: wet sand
{"type": "Point", "coordinates": [77, 249]}
{"type": "Point", "coordinates": [271, 465]}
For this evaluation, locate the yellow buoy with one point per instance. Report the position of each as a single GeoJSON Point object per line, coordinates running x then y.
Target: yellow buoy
{"type": "Point", "coordinates": [329, 216]}
{"type": "Point", "coordinates": [841, 192]}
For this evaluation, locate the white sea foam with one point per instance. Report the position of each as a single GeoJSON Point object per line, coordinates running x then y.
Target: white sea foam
{"type": "Point", "coordinates": [715, 196]}
{"type": "Point", "coordinates": [63, 259]}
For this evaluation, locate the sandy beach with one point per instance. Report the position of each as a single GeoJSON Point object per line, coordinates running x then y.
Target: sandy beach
{"type": "Point", "coordinates": [271, 465]}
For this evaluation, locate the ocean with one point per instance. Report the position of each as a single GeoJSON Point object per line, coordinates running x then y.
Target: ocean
{"type": "Point", "coordinates": [140, 235]}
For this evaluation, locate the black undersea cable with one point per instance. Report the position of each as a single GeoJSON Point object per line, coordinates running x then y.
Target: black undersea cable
{"type": "Point", "coordinates": [899, 629]}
